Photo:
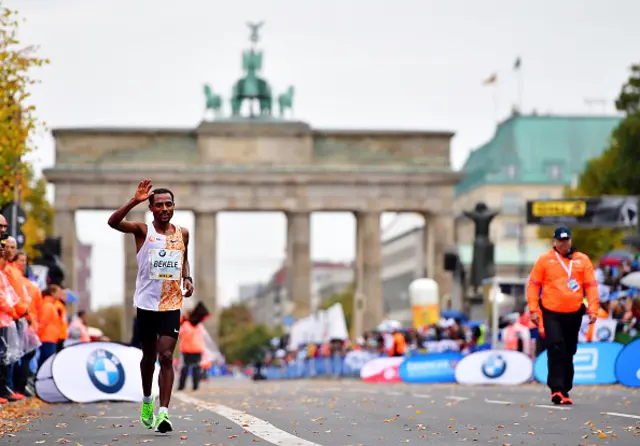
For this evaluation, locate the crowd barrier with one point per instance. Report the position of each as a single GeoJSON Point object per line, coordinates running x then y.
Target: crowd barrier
{"type": "Point", "coordinates": [595, 363]}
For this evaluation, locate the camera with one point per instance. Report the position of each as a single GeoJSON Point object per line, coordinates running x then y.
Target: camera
{"type": "Point", "coordinates": [3, 237]}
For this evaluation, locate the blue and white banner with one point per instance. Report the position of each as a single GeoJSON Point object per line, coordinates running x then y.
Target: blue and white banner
{"type": "Point", "coordinates": [594, 363]}
{"type": "Point", "coordinates": [430, 368]}
{"type": "Point", "coordinates": [628, 365]}
{"type": "Point", "coordinates": [98, 371]}
{"type": "Point", "coordinates": [504, 367]}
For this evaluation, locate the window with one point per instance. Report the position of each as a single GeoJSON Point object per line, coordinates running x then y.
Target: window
{"type": "Point", "coordinates": [554, 171]}
{"type": "Point", "coordinates": [511, 171]}
{"type": "Point", "coordinates": [511, 203]}
{"type": "Point", "coordinates": [511, 230]}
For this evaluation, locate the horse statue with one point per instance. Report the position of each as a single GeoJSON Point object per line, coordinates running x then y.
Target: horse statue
{"type": "Point", "coordinates": [213, 101]}
{"type": "Point", "coordinates": [285, 101]}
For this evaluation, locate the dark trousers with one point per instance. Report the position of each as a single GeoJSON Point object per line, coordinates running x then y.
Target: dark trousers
{"type": "Point", "coordinates": [46, 350]}
{"type": "Point", "coordinates": [191, 361]}
{"type": "Point", "coordinates": [561, 340]}
{"type": "Point", "coordinates": [22, 373]}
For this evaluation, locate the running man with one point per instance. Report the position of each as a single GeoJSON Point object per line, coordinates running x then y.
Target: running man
{"type": "Point", "coordinates": [564, 276]}
{"type": "Point", "coordinates": [162, 266]}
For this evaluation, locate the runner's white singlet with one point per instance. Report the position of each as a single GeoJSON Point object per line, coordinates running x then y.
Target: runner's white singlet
{"type": "Point", "coordinates": [158, 285]}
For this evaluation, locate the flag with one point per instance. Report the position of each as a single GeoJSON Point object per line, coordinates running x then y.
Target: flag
{"type": "Point", "coordinates": [517, 63]}
{"type": "Point", "coordinates": [491, 79]}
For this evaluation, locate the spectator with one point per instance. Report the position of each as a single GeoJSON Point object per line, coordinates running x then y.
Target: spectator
{"type": "Point", "coordinates": [50, 323]}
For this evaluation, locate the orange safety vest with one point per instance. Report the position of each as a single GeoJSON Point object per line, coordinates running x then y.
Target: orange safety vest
{"type": "Point", "coordinates": [50, 324]}
{"type": "Point", "coordinates": [61, 309]}
{"type": "Point", "coordinates": [399, 345]}
{"type": "Point", "coordinates": [18, 282]}
{"type": "Point", "coordinates": [191, 339]}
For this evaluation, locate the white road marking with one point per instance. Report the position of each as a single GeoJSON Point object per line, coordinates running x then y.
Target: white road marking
{"type": "Point", "coordinates": [545, 406]}
{"type": "Point", "coordinates": [616, 414]}
{"type": "Point", "coordinates": [370, 391]}
{"type": "Point", "coordinates": [260, 428]}
{"type": "Point", "coordinates": [393, 393]}
{"type": "Point", "coordinates": [506, 403]}
{"type": "Point", "coordinates": [421, 395]}
{"type": "Point", "coordinates": [456, 398]}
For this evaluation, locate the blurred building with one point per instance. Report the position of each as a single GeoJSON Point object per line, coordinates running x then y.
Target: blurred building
{"type": "Point", "coordinates": [529, 157]}
{"type": "Point", "coordinates": [83, 276]}
{"type": "Point", "coordinates": [402, 263]}
{"type": "Point", "coordinates": [272, 306]}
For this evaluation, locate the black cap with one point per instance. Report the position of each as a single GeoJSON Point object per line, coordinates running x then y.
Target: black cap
{"type": "Point", "coordinates": [562, 233]}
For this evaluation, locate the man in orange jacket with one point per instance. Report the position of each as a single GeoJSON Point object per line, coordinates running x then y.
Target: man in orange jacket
{"type": "Point", "coordinates": [564, 275]}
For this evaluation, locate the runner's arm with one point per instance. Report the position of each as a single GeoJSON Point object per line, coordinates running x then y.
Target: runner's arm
{"type": "Point", "coordinates": [117, 220]}
{"type": "Point", "coordinates": [536, 279]}
{"type": "Point", "coordinates": [591, 287]}
{"type": "Point", "coordinates": [186, 268]}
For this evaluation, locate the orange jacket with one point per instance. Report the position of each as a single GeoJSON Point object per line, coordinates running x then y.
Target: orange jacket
{"type": "Point", "coordinates": [61, 310]}
{"type": "Point", "coordinates": [191, 339]}
{"type": "Point", "coordinates": [19, 284]}
{"type": "Point", "coordinates": [551, 277]}
{"type": "Point", "coordinates": [399, 345]}
{"type": "Point", "coordinates": [36, 304]}
{"type": "Point", "coordinates": [50, 325]}
{"type": "Point", "coordinates": [8, 299]}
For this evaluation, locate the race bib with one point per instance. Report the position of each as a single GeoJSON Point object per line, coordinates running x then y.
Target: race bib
{"type": "Point", "coordinates": [165, 264]}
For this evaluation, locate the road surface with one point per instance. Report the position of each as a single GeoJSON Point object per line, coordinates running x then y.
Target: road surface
{"type": "Point", "coordinates": [335, 413]}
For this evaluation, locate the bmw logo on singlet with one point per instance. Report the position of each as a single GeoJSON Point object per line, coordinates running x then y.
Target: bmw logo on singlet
{"type": "Point", "coordinates": [105, 371]}
{"type": "Point", "coordinates": [162, 253]}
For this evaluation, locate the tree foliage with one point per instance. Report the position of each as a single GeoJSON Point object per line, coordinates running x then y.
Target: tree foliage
{"type": "Point", "coordinates": [18, 124]}
{"type": "Point", "coordinates": [241, 339]}
{"type": "Point", "coordinates": [615, 172]}
{"type": "Point", "coordinates": [109, 320]}
{"type": "Point", "coordinates": [345, 298]}
{"type": "Point", "coordinates": [18, 121]}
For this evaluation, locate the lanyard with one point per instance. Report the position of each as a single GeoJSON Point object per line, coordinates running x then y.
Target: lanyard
{"type": "Point", "coordinates": [564, 267]}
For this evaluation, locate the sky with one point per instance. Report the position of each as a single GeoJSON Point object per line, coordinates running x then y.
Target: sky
{"type": "Point", "coordinates": [374, 64]}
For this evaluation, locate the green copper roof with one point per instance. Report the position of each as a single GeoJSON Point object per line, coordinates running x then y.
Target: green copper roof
{"type": "Point", "coordinates": [526, 148]}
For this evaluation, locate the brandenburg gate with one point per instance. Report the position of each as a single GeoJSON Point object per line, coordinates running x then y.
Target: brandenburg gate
{"type": "Point", "coordinates": [257, 160]}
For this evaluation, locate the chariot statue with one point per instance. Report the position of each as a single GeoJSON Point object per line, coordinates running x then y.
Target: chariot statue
{"type": "Point", "coordinates": [213, 101]}
{"type": "Point", "coordinates": [252, 87]}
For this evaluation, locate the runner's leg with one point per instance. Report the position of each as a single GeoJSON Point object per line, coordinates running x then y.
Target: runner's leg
{"type": "Point", "coordinates": [168, 331]}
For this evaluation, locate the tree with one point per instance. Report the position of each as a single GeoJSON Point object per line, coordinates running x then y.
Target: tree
{"type": "Point", "coordinates": [241, 339]}
{"type": "Point", "coordinates": [615, 172]}
{"type": "Point", "coordinates": [18, 123]}
{"type": "Point", "coordinates": [109, 320]}
{"type": "Point", "coordinates": [344, 298]}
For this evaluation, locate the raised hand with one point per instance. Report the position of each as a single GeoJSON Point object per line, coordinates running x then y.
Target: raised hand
{"type": "Point", "coordinates": [144, 191]}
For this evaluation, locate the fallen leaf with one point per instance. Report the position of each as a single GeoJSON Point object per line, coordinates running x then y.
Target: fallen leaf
{"type": "Point", "coordinates": [183, 437]}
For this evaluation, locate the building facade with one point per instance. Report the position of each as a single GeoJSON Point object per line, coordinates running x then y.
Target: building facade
{"type": "Point", "coordinates": [270, 305]}
{"type": "Point", "coordinates": [401, 264]}
{"type": "Point", "coordinates": [83, 276]}
{"type": "Point", "coordinates": [529, 157]}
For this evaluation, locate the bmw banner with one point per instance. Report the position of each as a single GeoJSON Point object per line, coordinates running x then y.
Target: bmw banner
{"type": "Point", "coordinates": [504, 367]}
{"type": "Point", "coordinates": [628, 365]}
{"type": "Point", "coordinates": [95, 371]}
{"type": "Point", "coordinates": [604, 330]}
{"type": "Point", "coordinates": [382, 370]}
{"type": "Point", "coordinates": [594, 363]}
{"type": "Point", "coordinates": [430, 368]}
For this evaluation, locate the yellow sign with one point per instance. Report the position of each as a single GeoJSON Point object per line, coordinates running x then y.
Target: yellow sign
{"type": "Point", "coordinates": [425, 315]}
{"type": "Point", "coordinates": [559, 208]}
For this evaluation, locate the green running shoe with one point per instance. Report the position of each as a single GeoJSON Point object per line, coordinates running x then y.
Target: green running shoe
{"type": "Point", "coordinates": [146, 415]}
{"type": "Point", "coordinates": [163, 425]}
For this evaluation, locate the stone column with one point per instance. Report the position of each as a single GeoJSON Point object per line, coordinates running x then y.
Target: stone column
{"type": "Point", "coordinates": [438, 236]}
{"type": "Point", "coordinates": [205, 274]}
{"type": "Point", "coordinates": [299, 251]}
{"type": "Point", "coordinates": [64, 225]}
{"type": "Point", "coordinates": [368, 228]}
{"type": "Point", "coordinates": [130, 275]}
{"type": "Point", "coordinates": [357, 321]}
